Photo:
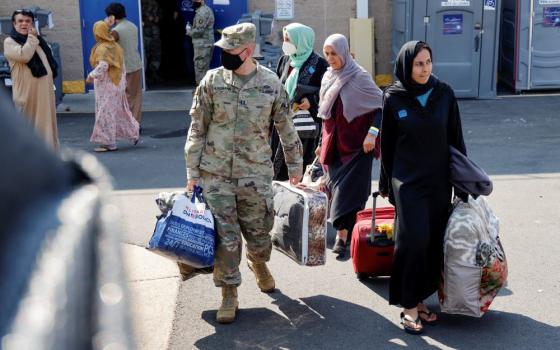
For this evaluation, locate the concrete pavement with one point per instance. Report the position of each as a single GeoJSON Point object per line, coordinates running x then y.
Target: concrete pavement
{"type": "Point", "coordinates": [155, 100]}
{"type": "Point", "coordinates": [515, 139]}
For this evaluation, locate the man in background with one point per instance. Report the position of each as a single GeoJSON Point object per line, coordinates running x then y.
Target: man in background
{"type": "Point", "coordinates": [33, 70]}
{"type": "Point", "coordinates": [151, 16]}
{"type": "Point", "coordinates": [126, 34]}
{"type": "Point", "coordinates": [202, 34]}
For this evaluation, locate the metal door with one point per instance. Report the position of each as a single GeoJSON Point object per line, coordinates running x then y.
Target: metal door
{"type": "Point", "coordinates": [544, 41]}
{"type": "Point", "coordinates": [401, 25]}
{"type": "Point", "coordinates": [92, 11]}
{"type": "Point", "coordinates": [226, 13]}
{"type": "Point", "coordinates": [454, 30]}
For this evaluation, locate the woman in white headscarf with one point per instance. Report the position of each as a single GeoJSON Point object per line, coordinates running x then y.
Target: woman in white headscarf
{"type": "Point", "coordinates": [350, 106]}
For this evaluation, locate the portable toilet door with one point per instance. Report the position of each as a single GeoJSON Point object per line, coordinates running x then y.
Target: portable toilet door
{"type": "Point", "coordinates": [544, 32]}
{"type": "Point", "coordinates": [530, 44]}
{"type": "Point", "coordinates": [463, 36]}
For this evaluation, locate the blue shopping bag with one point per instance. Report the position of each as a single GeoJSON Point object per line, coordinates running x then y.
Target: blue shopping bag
{"type": "Point", "coordinates": [186, 234]}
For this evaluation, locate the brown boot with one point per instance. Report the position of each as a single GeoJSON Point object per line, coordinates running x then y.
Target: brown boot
{"type": "Point", "coordinates": [186, 271]}
{"type": "Point", "coordinates": [228, 309]}
{"type": "Point", "coordinates": [265, 281]}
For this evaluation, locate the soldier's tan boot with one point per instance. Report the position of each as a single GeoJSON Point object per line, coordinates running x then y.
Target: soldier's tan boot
{"type": "Point", "coordinates": [265, 281]}
{"type": "Point", "coordinates": [185, 271]}
{"type": "Point", "coordinates": [228, 309]}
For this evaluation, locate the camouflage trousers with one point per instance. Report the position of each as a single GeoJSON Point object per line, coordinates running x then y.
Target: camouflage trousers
{"type": "Point", "coordinates": [202, 58]}
{"type": "Point", "coordinates": [240, 207]}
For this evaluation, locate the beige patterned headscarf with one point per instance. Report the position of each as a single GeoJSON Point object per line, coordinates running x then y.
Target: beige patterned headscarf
{"type": "Point", "coordinates": [108, 50]}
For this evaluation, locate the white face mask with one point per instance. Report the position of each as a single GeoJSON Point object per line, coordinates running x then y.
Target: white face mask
{"type": "Point", "coordinates": [289, 48]}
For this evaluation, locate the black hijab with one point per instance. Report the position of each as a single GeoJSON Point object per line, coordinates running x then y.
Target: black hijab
{"type": "Point", "coordinates": [405, 85]}
{"type": "Point", "coordinates": [35, 64]}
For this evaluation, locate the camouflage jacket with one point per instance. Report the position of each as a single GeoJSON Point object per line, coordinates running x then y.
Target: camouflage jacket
{"type": "Point", "coordinates": [229, 132]}
{"type": "Point", "coordinates": [202, 31]}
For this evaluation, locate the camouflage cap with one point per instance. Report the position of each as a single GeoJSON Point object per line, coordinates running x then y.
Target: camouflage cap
{"type": "Point", "coordinates": [237, 35]}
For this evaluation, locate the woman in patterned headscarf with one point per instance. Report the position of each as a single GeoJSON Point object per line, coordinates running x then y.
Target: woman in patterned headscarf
{"type": "Point", "coordinates": [301, 71]}
{"type": "Point", "coordinates": [113, 119]}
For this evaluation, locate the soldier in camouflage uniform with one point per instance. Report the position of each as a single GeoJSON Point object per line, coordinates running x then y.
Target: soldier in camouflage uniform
{"type": "Point", "coordinates": [227, 151]}
{"type": "Point", "coordinates": [151, 16]}
{"type": "Point", "coordinates": [202, 34]}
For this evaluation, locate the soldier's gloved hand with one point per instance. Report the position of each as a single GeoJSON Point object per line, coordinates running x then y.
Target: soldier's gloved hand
{"type": "Point", "coordinates": [190, 184]}
{"type": "Point", "coordinates": [294, 180]}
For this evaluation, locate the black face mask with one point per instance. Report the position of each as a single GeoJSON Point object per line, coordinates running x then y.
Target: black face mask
{"type": "Point", "coordinates": [231, 62]}
{"type": "Point", "coordinates": [196, 4]}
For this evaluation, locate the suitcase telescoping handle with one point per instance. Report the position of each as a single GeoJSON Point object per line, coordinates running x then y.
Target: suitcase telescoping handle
{"type": "Point", "coordinates": [377, 240]}
{"type": "Point", "coordinates": [374, 195]}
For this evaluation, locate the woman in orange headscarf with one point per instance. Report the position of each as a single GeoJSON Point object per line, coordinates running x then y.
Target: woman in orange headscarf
{"type": "Point", "coordinates": [113, 119]}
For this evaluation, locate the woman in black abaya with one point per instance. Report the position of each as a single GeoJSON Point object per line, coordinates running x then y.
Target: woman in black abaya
{"type": "Point", "coordinates": [420, 121]}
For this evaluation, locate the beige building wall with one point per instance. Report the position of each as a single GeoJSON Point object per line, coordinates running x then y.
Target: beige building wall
{"type": "Point", "coordinates": [66, 31]}
{"type": "Point", "coordinates": [324, 16]}
{"type": "Point", "coordinates": [333, 16]}
{"type": "Point", "coordinates": [381, 11]}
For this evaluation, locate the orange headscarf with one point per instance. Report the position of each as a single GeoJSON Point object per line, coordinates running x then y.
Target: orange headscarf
{"type": "Point", "coordinates": [108, 50]}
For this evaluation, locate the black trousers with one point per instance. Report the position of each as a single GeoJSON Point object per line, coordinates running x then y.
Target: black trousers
{"type": "Point", "coordinates": [346, 222]}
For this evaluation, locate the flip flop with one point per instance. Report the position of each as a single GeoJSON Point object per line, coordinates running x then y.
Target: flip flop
{"type": "Point", "coordinates": [428, 315]}
{"type": "Point", "coordinates": [407, 328]}
{"type": "Point", "coordinates": [104, 149]}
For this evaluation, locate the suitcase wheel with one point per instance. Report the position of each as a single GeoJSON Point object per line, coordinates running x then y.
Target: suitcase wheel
{"type": "Point", "coordinates": [362, 276]}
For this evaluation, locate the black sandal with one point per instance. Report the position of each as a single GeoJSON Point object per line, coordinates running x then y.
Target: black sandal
{"type": "Point", "coordinates": [339, 247]}
{"type": "Point", "coordinates": [428, 315]}
{"type": "Point", "coordinates": [409, 329]}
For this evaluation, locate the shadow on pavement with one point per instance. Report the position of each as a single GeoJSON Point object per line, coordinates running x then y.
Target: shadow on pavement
{"type": "Point", "coordinates": [319, 322]}
{"type": "Point", "coordinates": [323, 322]}
{"type": "Point", "coordinates": [509, 330]}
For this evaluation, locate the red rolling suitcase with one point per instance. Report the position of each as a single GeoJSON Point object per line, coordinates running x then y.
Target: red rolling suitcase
{"type": "Point", "coordinates": [372, 251]}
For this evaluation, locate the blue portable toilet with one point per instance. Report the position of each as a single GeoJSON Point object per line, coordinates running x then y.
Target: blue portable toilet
{"type": "Point", "coordinates": [530, 45]}
{"type": "Point", "coordinates": [463, 36]}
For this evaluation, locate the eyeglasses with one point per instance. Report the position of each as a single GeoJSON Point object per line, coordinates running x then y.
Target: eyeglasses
{"type": "Point", "coordinates": [24, 12]}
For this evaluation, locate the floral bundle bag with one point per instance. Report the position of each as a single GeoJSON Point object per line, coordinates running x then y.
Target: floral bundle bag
{"type": "Point", "coordinates": [475, 266]}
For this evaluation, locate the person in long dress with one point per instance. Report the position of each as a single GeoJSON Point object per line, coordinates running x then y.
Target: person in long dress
{"type": "Point", "coordinates": [350, 106]}
{"type": "Point", "coordinates": [126, 34]}
{"type": "Point", "coordinates": [33, 70]}
{"type": "Point", "coordinates": [420, 121]}
{"type": "Point", "coordinates": [113, 119]}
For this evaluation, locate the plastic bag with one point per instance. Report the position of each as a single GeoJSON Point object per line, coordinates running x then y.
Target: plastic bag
{"type": "Point", "coordinates": [186, 234]}
{"type": "Point", "coordinates": [475, 265]}
{"type": "Point", "coordinates": [313, 175]}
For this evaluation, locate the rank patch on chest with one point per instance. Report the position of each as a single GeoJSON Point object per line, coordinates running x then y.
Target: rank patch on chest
{"type": "Point", "coordinates": [267, 89]}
